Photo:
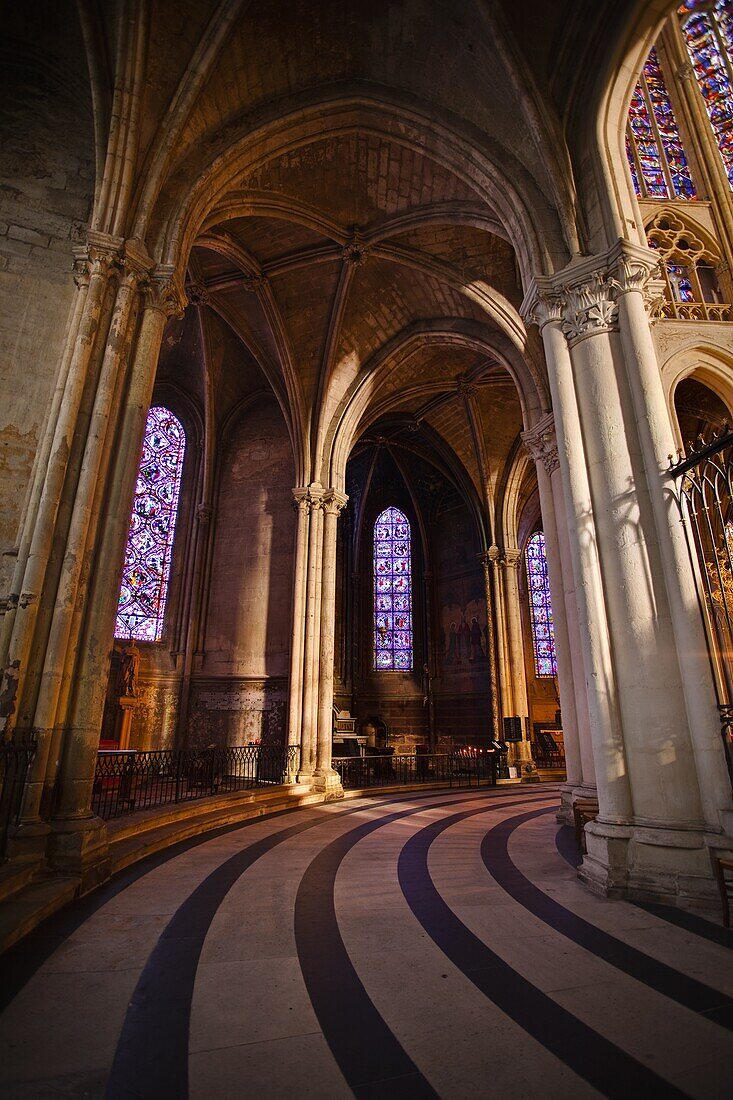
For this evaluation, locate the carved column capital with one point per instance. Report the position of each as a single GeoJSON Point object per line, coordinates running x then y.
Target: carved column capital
{"type": "Point", "coordinates": [541, 443]}
{"type": "Point", "coordinates": [300, 499]}
{"type": "Point", "coordinates": [541, 306]}
{"type": "Point", "coordinates": [584, 296]}
{"type": "Point", "coordinates": [512, 557]}
{"type": "Point", "coordinates": [334, 502]}
{"type": "Point", "coordinates": [164, 291]}
{"type": "Point", "coordinates": [589, 307]}
{"type": "Point", "coordinates": [203, 514]}
{"type": "Point", "coordinates": [101, 254]}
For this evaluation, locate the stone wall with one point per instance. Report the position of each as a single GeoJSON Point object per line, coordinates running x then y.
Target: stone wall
{"type": "Point", "coordinates": [47, 174]}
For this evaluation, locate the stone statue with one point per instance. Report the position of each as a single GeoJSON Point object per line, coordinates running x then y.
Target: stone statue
{"type": "Point", "coordinates": [129, 670]}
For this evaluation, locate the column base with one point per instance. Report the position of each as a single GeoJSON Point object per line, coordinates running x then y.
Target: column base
{"type": "Point", "coordinates": [521, 758]}
{"type": "Point", "coordinates": [328, 782]}
{"type": "Point", "coordinates": [28, 841]}
{"type": "Point", "coordinates": [650, 863]}
{"type": "Point", "coordinates": [80, 847]}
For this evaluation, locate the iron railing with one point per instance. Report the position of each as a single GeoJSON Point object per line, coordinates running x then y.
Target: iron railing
{"type": "Point", "coordinates": [704, 492]}
{"type": "Point", "coordinates": [130, 780]}
{"type": "Point", "coordinates": [457, 769]}
{"type": "Point", "coordinates": [15, 760]}
{"type": "Point", "coordinates": [548, 758]}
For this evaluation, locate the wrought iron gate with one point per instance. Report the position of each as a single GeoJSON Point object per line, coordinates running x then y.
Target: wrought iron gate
{"type": "Point", "coordinates": [704, 494]}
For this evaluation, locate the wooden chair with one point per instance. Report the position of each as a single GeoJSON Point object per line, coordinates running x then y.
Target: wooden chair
{"type": "Point", "coordinates": [721, 864]}
{"type": "Point", "coordinates": [584, 809]}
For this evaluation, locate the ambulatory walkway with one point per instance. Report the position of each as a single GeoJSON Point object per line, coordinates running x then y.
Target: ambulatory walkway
{"type": "Point", "coordinates": [412, 945]}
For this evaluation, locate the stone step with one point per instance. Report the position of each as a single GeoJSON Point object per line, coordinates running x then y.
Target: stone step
{"type": "Point", "coordinates": [24, 910]}
{"type": "Point", "coordinates": [128, 846]}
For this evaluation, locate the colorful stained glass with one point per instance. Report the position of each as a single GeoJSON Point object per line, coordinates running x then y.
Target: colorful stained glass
{"type": "Point", "coordinates": [540, 607]}
{"type": "Point", "coordinates": [681, 285]}
{"type": "Point", "coordinates": [392, 592]}
{"type": "Point", "coordinates": [708, 31]}
{"type": "Point", "coordinates": [665, 172]}
{"type": "Point", "coordinates": [144, 589]}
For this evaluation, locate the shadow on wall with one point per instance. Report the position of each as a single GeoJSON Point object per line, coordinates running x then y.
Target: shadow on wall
{"type": "Point", "coordinates": [240, 692]}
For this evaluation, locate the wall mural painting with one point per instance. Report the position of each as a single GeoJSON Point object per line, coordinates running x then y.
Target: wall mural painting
{"type": "Point", "coordinates": [463, 633]}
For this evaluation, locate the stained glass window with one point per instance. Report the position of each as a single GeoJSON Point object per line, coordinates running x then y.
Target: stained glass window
{"type": "Point", "coordinates": [392, 592]}
{"type": "Point", "coordinates": [708, 31]}
{"type": "Point", "coordinates": [659, 168]}
{"type": "Point", "coordinates": [144, 588]}
{"type": "Point", "coordinates": [540, 607]}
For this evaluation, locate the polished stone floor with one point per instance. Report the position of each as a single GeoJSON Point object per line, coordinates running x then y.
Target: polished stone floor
{"type": "Point", "coordinates": [431, 945]}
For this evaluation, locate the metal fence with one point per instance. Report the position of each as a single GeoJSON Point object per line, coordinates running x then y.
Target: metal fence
{"type": "Point", "coordinates": [704, 484]}
{"type": "Point", "coordinates": [130, 780]}
{"type": "Point", "coordinates": [474, 769]}
{"type": "Point", "coordinates": [548, 758]}
{"type": "Point", "coordinates": [15, 760]}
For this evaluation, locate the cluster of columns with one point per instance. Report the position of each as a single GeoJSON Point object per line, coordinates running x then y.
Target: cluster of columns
{"type": "Point", "coordinates": [310, 716]}
{"type": "Point", "coordinates": [636, 690]}
{"type": "Point", "coordinates": [57, 632]}
{"type": "Point", "coordinates": [507, 670]}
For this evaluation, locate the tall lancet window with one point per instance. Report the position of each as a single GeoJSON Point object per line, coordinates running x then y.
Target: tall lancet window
{"type": "Point", "coordinates": [659, 168]}
{"type": "Point", "coordinates": [144, 590]}
{"type": "Point", "coordinates": [708, 29]}
{"type": "Point", "coordinates": [392, 592]}
{"type": "Point", "coordinates": [540, 607]}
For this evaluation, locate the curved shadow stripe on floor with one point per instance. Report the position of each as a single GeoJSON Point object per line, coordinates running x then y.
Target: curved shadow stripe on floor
{"type": "Point", "coordinates": [664, 979]}
{"type": "Point", "coordinates": [151, 1059]}
{"type": "Point", "coordinates": [601, 1063]}
{"type": "Point", "coordinates": [367, 1052]}
{"type": "Point", "coordinates": [567, 847]}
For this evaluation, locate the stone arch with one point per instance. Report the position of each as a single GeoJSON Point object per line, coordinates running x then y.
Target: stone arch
{"type": "Point", "coordinates": [704, 363]}
{"type": "Point", "coordinates": [184, 207]}
{"type": "Point", "coordinates": [351, 408]}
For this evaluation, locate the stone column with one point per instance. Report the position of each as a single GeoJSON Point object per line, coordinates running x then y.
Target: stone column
{"type": "Point", "coordinates": [503, 671]}
{"type": "Point", "coordinates": [587, 787]}
{"type": "Point", "coordinates": [325, 778]}
{"type": "Point", "coordinates": [541, 443]}
{"type": "Point", "coordinates": [78, 841]}
{"type": "Point", "coordinates": [654, 841]}
{"type": "Point", "coordinates": [101, 259]}
{"type": "Point", "coordinates": [634, 268]}
{"type": "Point", "coordinates": [295, 688]}
{"type": "Point", "coordinates": [544, 305]}
{"type": "Point", "coordinates": [512, 562]}
{"type": "Point", "coordinates": [63, 635]}
{"type": "Point", "coordinates": [310, 644]}
{"type": "Point", "coordinates": [496, 731]}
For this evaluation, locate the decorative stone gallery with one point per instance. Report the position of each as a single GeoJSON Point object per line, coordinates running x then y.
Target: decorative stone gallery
{"type": "Point", "coordinates": [360, 366]}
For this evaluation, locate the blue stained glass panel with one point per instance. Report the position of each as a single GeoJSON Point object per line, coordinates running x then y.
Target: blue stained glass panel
{"type": "Point", "coordinates": [392, 592]}
{"type": "Point", "coordinates": [709, 37]}
{"type": "Point", "coordinates": [144, 589]}
{"type": "Point", "coordinates": [656, 138]}
{"type": "Point", "coordinates": [540, 607]}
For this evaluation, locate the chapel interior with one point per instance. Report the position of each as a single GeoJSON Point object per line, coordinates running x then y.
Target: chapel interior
{"type": "Point", "coordinates": [366, 548]}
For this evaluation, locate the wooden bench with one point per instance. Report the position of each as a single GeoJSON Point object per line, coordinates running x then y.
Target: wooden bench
{"type": "Point", "coordinates": [584, 809]}
{"type": "Point", "coordinates": [721, 864]}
